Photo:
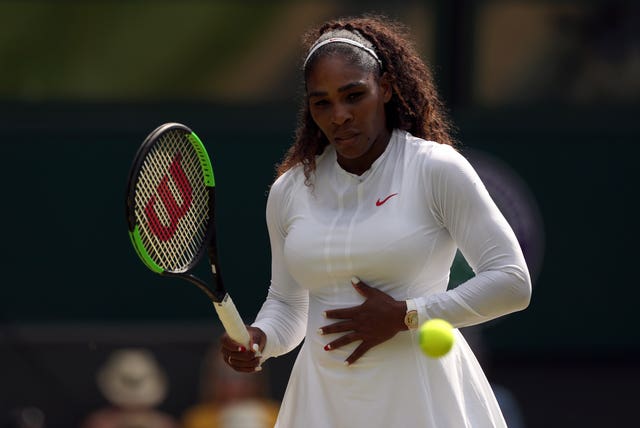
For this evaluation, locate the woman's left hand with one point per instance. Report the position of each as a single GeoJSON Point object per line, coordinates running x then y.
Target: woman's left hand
{"type": "Point", "coordinates": [375, 321]}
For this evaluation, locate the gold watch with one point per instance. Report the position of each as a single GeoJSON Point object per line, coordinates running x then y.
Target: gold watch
{"type": "Point", "coordinates": [411, 316]}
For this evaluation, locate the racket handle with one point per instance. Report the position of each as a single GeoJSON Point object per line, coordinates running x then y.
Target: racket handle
{"type": "Point", "coordinates": [232, 321]}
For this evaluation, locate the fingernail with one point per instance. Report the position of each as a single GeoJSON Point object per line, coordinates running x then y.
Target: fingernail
{"type": "Point", "coordinates": [258, 369]}
{"type": "Point", "coordinates": [241, 349]}
{"type": "Point", "coordinates": [346, 363]}
{"type": "Point", "coordinates": [327, 347]}
{"type": "Point", "coordinates": [255, 347]}
{"type": "Point", "coordinates": [324, 314]}
{"type": "Point", "coordinates": [355, 280]}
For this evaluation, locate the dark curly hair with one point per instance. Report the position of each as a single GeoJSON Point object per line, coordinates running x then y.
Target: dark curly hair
{"type": "Point", "coordinates": [414, 106]}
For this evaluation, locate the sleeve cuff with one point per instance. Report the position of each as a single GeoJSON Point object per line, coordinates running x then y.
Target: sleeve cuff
{"type": "Point", "coordinates": [269, 350]}
{"type": "Point", "coordinates": [419, 305]}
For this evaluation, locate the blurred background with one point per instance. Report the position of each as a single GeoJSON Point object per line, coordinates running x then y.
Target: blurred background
{"type": "Point", "coordinates": [545, 96]}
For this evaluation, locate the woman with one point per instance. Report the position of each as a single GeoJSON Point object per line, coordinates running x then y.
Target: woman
{"type": "Point", "coordinates": [370, 205]}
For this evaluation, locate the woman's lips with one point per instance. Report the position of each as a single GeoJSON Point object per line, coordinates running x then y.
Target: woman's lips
{"type": "Point", "coordinates": [346, 138]}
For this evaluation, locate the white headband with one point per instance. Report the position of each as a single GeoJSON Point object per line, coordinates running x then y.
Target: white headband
{"type": "Point", "coordinates": [340, 40]}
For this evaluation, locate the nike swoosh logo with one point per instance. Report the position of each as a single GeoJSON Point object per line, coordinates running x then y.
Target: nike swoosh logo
{"type": "Point", "coordinates": [381, 202]}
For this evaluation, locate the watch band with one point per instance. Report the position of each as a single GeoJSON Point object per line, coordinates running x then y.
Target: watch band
{"type": "Point", "coordinates": [411, 316]}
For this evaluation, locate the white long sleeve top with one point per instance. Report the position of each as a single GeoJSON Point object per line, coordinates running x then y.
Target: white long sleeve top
{"type": "Point", "coordinates": [397, 227]}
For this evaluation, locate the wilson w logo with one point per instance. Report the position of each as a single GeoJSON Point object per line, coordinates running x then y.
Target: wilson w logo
{"type": "Point", "coordinates": [175, 211]}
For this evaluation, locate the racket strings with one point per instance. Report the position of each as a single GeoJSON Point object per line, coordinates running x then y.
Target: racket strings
{"type": "Point", "coordinates": [172, 202]}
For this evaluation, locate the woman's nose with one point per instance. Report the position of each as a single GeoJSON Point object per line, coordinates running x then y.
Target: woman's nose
{"type": "Point", "coordinates": [341, 114]}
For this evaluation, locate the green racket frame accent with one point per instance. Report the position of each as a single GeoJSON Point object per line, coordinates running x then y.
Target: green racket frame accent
{"type": "Point", "coordinates": [136, 240]}
{"type": "Point", "coordinates": [205, 161]}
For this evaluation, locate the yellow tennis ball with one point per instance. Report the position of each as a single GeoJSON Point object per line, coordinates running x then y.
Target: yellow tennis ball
{"type": "Point", "coordinates": [435, 337]}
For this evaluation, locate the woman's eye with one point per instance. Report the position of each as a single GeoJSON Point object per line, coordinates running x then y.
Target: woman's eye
{"type": "Point", "coordinates": [320, 103]}
{"type": "Point", "coordinates": [354, 96]}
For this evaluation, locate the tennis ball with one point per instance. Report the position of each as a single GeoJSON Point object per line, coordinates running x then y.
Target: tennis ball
{"type": "Point", "coordinates": [435, 337]}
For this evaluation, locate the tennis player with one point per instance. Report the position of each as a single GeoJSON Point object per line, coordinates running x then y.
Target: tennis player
{"type": "Point", "coordinates": [370, 205]}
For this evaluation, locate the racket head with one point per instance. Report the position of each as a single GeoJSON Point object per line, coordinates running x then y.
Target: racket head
{"type": "Point", "coordinates": [170, 200]}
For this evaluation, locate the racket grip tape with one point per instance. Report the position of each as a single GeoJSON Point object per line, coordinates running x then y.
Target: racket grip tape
{"type": "Point", "coordinates": [232, 321]}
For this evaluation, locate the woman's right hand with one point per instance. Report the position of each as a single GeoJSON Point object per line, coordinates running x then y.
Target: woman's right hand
{"type": "Point", "coordinates": [238, 357]}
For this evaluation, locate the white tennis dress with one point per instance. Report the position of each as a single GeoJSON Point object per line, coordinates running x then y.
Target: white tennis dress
{"type": "Point", "coordinates": [397, 228]}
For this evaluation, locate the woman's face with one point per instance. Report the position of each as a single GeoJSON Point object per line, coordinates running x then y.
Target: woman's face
{"type": "Point", "coordinates": [347, 104]}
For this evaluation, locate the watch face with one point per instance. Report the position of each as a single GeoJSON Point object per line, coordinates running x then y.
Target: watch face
{"type": "Point", "coordinates": [411, 319]}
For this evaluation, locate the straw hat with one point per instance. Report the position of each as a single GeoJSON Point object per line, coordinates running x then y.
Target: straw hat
{"type": "Point", "coordinates": [132, 378]}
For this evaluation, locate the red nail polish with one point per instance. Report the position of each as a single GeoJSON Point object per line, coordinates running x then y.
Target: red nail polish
{"type": "Point", "coordinates": [242, 349]}
{"type": "Point", "coordinates": [327, 347]}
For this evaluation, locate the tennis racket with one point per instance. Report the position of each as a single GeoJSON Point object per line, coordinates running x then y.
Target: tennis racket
{"type": "Point", "coordinates": [170, 214]}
